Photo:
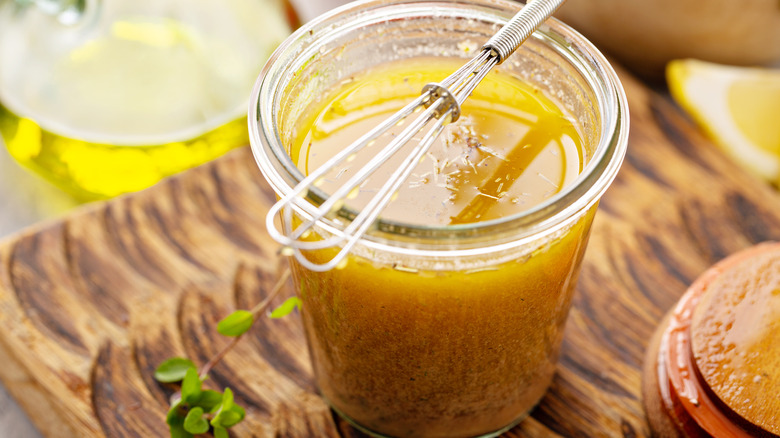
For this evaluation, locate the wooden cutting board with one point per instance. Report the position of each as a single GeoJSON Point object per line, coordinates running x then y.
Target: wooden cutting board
{"type": "Point", "coordinates": [90, 304]}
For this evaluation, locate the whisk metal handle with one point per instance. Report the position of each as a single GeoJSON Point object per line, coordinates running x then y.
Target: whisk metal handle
{"type": "Point", "coordinates": [520, 27]}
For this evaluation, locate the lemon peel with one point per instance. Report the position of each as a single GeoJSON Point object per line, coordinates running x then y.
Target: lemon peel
{"type": "Point", "coordinates": [738, 107]}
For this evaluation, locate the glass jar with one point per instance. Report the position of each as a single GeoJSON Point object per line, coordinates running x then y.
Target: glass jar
{"type": "Point", "coordinates": [451, 330]}
{"type": "Point", "coordinates": [107, 97]}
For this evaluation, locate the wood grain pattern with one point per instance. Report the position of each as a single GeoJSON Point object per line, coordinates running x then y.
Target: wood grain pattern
{"type": "Point", "coordinates": [90, 304]}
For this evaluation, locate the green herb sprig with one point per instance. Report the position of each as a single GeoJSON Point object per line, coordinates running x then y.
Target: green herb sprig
{"type": "Point", "coordinates": [195, 410]}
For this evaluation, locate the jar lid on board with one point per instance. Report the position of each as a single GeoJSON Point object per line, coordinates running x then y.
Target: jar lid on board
{"type": "Point", "coordinates": [713, 366]}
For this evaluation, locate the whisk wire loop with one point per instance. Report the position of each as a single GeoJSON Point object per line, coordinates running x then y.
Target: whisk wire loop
{"type": "Point", "coordinates": [440, 102]}
{"type": "Point", "coordinates": [298, 194]}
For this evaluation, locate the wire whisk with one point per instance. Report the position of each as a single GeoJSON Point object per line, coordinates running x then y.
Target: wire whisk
{"type": "Point", "coordinates": [440, 102]}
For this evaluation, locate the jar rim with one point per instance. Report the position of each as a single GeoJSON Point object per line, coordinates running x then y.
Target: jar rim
{"type": "Point", "coordinates": [578, 196]}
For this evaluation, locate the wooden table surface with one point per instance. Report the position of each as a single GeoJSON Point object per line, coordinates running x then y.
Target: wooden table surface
{"type": "Point", "coordinates": [91, 303]}
{"type": "Point", "coordinates": [26, 199]}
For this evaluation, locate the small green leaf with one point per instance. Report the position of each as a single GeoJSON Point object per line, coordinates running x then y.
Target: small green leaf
{"type": "Point", "coordinates": [190, 386]}
{"type": "Point", "coordinates": [179, 432]}
{"type": "Point", "coordinates": [236, 324]}
{"type": "Point", "coordinates": [209, 400]}
{"type": "Point", "coordinates": [175, 420]}
{"type": "Point", "coordinates": [221, 432]}
{"type": "Point", "coordinates": [228, 414]}
{"type": "Point", "coordinates": [194, 422]}
{"type": "Point", "coordinates": [227, 398]}
{"type": "Point", "coordinates": [173, 370]}
{"type": "Point", "coordinates": [239, 412]}
{"type": "Point", "coordinates": [286, 308]}
{"type": "Point", "coordinates": [216, 421]}
{"type": "Point", "coordinates": [227, 419]}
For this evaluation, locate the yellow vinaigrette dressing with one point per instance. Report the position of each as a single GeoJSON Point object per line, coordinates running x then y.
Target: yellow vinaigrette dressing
{"type": "Point", "coordinates": [466, 347]}
{"type": "Point", "coordinates": [511, 148]}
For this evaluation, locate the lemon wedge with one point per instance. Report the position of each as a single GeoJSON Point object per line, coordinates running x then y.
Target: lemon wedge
{"type": "Point", "coordinates": [738, 107]}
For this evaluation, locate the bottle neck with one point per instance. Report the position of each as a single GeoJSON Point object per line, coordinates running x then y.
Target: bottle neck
{"type": "Point", "coordinates": [68, 12]}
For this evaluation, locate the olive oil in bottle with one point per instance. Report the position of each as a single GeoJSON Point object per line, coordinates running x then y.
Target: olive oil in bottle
{"type": "Point", "coordinates": [112, 98]}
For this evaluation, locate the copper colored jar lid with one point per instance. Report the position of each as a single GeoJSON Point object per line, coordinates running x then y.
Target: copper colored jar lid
{"type": "Point", "coordinates": [713, 367]}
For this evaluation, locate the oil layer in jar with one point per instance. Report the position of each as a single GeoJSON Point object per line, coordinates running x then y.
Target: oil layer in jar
{"type": "Point", "coordinates": [511, 149]}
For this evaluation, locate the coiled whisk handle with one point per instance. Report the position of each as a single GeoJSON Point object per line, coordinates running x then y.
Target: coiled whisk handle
{"type": "Point", "coordinates": [520, 27]}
